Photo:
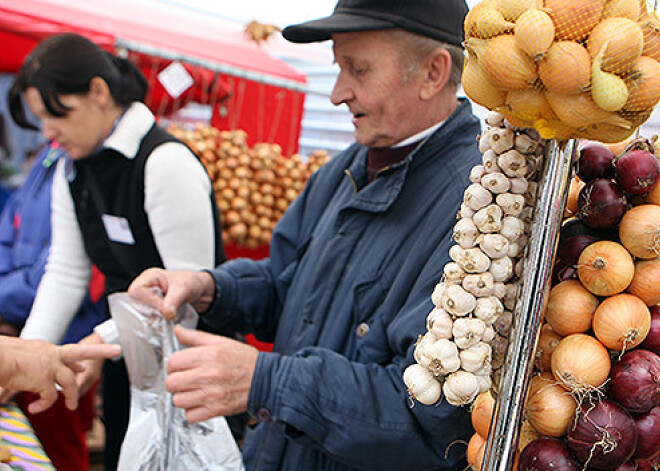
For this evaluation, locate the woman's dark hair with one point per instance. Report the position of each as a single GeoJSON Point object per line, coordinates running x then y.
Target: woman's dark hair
{"type": "Point", "coordinates": [64, 65]}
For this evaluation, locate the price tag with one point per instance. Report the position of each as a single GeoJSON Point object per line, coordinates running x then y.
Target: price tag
{"type": "Point", "coordinates": [175, 79]}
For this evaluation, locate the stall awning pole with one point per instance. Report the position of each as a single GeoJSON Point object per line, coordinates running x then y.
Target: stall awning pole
{"type": "Point", "coordinates": [553, 190]}
{"type": "Point", "coordinates": [214, 66]}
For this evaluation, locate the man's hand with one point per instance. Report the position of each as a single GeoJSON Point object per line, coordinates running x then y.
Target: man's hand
{"type": "Point", "coordinates": [213, 377]}
{"type": "Point", "coordinates": [41, 367]}
{"type": "Point", "coordinates": [91, 368]}
{"type": "Point", "coordinates": [169, 290]}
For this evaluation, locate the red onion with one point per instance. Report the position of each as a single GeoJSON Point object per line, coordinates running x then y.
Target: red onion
{"type": "Point", "coordinates": [601, 204]}
{"type": "Point", "coordinates": [652, 340]}
{"type": "Point", "coordinates": [637, 171]}
{"type": "Point", "coordinates": [627, 466]}
{"type": "Point", "coordinates": [635, 381]}
{"type": "Point", "coordinates": [648, 435]}
{"type": "Point", "coordinates": [604, 434]}
{"type": "Point", "coordinates": [570, 248]}
{"type": "Point", "coordinates": [649, 465]}
{"type": "Point", "coordinates": [595, 162]}
{"type": "Point", "coordinates": [562, 271]}
{"type": "Point", "coordinates": [546, 453]}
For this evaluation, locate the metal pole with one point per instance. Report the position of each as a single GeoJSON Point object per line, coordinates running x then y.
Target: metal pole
{"type": "Point", "coordinates": [553, 190]}
{"type": "Point", "coordinates": [216, 67]}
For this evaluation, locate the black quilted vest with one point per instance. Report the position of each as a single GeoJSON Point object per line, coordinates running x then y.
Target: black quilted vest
{"type": "Point", "coordinates": [108, 183]}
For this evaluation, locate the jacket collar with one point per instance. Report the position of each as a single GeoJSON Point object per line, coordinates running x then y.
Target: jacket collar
{"type": "Point", "coordinates": [131, 128]}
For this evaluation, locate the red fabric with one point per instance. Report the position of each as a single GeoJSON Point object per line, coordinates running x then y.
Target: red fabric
{"type": "Point", "coordinates": [267, 113]}
{"type": "Point", "coordinates": [96, 285]}
{"type": "Point", "coordinates": [63, 433]}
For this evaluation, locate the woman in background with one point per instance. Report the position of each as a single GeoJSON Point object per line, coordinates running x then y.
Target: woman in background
{"type": "Point", "coordinates": [129, 197]}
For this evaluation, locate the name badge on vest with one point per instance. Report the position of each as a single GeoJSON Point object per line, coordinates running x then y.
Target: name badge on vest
{"type": "Point", "coordinates": [118, 229]}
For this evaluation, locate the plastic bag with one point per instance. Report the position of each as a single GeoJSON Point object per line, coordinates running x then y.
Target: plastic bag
{"type": "Point", "coordinates": [159, 437]}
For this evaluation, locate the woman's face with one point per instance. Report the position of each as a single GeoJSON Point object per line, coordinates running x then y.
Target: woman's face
{"type": "Point", "coordinates": [81, 130]}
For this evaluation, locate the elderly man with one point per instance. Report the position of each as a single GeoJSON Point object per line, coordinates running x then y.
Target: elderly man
{"type": "Point", "coordinates": [353, 262]}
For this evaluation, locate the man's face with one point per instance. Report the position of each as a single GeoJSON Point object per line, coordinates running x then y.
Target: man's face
{"type": "Point", "coordinates": [79, 132]}
{"type": "Point", "coordinates": [381, 95]}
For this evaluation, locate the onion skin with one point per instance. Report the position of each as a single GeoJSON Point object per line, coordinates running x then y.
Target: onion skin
{"type": "Point", "coordinates": [645, 281]}
{"type": "Point", "coordinates": [639, 231]}
{"type": "Point", "coordinates": [601, 204]}
{"type": "Point", "coordinates": [635, 381]}
{"type": "Point", "coordinates": [580, 362]}
{"type": "Point", "coordinates": [648, 435]}
{"type": "Point", "coordinates": [621, 322]}
{"type": "Point", "coordinates": [605, 268]}
{"type": "Point", "coordinates": [546, 453]}
{"type": "Point", "coordinates": [482, 413]}
{"type": "Point", "coordinates": [652, 340]}
{"type": "Point", "coordinates": [574, 20]}
{"type": "Point", "coordinates": [604, 432]}
{"type": "Point", "coordinates": [549, 407]}
{"type": "Point", "coordinates": [637, 172]}
{"type": "Point", "coordinates": [566, 68]}
{"type": "Point", "coordinates": [570, 308]}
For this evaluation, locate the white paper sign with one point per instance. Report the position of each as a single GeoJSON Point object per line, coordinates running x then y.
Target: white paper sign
{"type": "Point", "coordinates": [175, 79]}
{"type": "Point", "coordinates": [118, 229]}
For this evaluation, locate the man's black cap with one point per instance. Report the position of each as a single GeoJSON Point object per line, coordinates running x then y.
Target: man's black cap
{"type": "Point", "coordinates": [437, 19]}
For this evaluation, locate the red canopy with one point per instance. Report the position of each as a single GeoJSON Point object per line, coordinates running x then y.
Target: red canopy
{"type": "Point", "coordinates": [258, 92]}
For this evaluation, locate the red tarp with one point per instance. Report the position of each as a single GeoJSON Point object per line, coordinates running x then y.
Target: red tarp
{"type": "Point", "coordinates": [268, 113]}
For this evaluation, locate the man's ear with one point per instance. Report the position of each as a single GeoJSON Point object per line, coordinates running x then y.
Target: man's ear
{"type": "Point", "coordinates": [436, 73]}
{"type": "Point", "coordinates": [99, 91]}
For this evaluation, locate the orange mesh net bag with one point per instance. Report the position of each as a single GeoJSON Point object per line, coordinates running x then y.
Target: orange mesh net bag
{"type": "Point", "coordinates": [569, 68]}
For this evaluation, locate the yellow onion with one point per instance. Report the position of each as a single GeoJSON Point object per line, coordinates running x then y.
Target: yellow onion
{"type": "Point", "coordinates": [581, 110]}
{"type": "Point", "coordinates": [534, 33]}
{"type": "Point", "coordinates": [548, 341]}
{"type": "Point", "coordinates": [528, 104]}
{"type": "Point", "coordinates": [644, 84]}
{"type": "Point", "coordinates": [475, 451]}
{"type": "Point", "coordinates": [512, 9]}
{"type": "Point", "coordinates": [505, 64]}
{"type": "Point", "coordinates": [622, 8]}
{"type": "Point", "coordinates": [653, 196]}
{"type": "Point", "coordinates": [570, 308]}
{"type": "Point", "coordinates": [478, 87]}
{"type": "Point", "coordinates": [609, 91]}
{"type": "Point", "coordinates": [572, 200]}
{"type": "Point", "coordinates": [566, 68]}
{"type": "Point", "coordinates": [645, 284]}
{"type": "Point", "coordinates": [490, 22]}
{"type": "Point", "coordinates": [651, 30]}
{"type": "Point", "coordinates": [625, 42]}
{"type": "Point", "coordinates": [472, 15]}
{"type": "Point", "coordinates": [482, 413]}
{"type": "Point", "coordinates": [605, 268]}
{"type": "Point", "coordinates": [550, 409]}
{"type": "Point", "coordinates": [580, 363]}
{"type": "Point", "coordinates": [639, 231]}
{"type": "Point", "coordinates": [574, 20]}
{"type": "Point", "coordinates": [622, 322]}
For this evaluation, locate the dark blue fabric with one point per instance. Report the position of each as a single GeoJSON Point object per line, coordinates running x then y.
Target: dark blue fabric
{"type": "Point", "coordinates": [24, 244]}
{"type": "Point", "coordinates": [348, 254]}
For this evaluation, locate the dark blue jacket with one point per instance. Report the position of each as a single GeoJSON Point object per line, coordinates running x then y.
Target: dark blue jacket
{"type": "Point", "coordinates": [344, 296]}
{"type": "Point", "coordinates": [24, 245]}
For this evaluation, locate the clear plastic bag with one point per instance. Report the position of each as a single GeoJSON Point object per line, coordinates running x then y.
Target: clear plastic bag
{"type": "Point", "coordinates": [159, 438]}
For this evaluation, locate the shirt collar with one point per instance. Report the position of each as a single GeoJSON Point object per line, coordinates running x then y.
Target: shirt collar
{"type": "Point", "coordinates": [419, 136]}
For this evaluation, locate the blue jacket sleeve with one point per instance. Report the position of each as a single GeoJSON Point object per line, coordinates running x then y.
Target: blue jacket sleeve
{"type": "Point", "coordinates": [18, 289]}
{"type": "Point", "coordinates": [250, 292]}
{"type": "Point", "coordinates": [319, 396]}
